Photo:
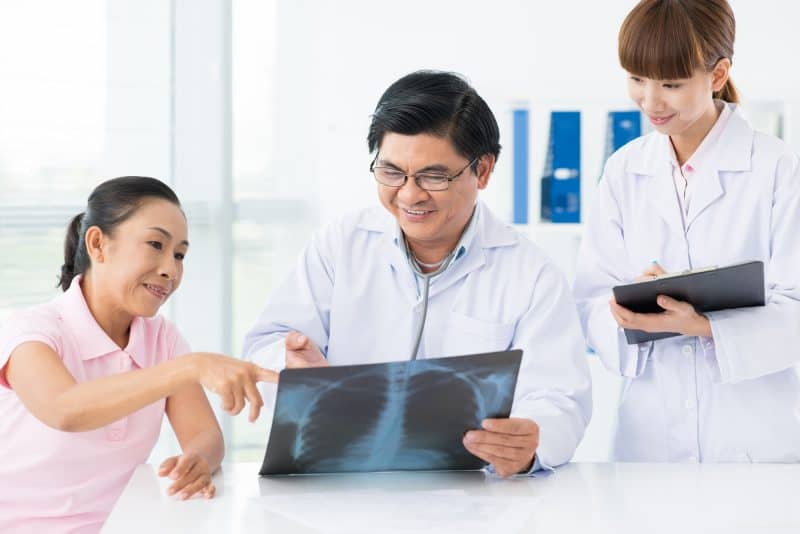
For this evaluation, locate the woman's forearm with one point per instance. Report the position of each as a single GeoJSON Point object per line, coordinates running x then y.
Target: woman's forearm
{"type": "Point", "coordinates": [94, 404]}
{"type": "Point", "coordinates": [210, 445]}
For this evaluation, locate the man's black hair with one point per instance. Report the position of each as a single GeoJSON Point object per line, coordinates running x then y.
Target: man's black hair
{"type": "Point", "coordinates": [439, 103]}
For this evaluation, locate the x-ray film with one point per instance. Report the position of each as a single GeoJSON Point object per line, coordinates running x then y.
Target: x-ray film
{"type": "Point", "coordinates": [398, 416]}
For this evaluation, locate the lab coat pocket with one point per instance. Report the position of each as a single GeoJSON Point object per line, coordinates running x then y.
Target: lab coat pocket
{"type": "Point", "coordinates": [468, 335]}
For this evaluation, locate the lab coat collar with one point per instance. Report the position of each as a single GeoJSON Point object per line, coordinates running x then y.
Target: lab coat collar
{"type": "Point", "coordinates": [463, 245]}
{"type": "Point", "coordinates": [489, 232]}
{"type": "Point", "coordinates": [380, 221]}
{"type": "Point", "coordinates": [733, 152]}
{"type": "Point", "coordinates": [492, 232]}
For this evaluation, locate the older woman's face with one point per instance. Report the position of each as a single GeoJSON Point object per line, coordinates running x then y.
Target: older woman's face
{"type": "Point", "coordinates": [143, 259]}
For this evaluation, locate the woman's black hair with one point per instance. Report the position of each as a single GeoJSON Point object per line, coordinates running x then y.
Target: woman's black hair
{"type": "Point", "coordinates": [110, 204]}
{"type": "Point", "coordinates": [440, 103]}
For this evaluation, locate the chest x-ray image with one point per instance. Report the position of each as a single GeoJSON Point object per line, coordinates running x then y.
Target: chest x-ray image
{"type": "Point", "coordinates": [394, 416]}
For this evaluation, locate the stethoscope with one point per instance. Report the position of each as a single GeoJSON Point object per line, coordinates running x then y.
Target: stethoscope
{"type": "Point", "coordinates": [417, 266]}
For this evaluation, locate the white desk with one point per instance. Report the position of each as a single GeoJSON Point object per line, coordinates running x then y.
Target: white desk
{"type": "Point", "coordinates": [587, 497]}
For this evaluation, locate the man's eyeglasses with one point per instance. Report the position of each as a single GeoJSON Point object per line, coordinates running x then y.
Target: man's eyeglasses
{"type": "Point", "coordinates": [429, 181]}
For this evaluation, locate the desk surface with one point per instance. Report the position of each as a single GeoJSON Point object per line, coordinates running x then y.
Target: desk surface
{"type": "Point", "coordinates": [599, 497]}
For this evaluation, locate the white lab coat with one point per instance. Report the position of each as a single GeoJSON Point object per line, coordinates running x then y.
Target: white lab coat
{"type": "Point", "coordinates": [734, 397]}
{"type": "Point", "coordinates": [353, 292]}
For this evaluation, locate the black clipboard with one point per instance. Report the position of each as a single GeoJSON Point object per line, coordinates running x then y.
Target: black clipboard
{"type": "Point", "coordinates": [734, 286]}
{"type": "Point", "coordinates": [396, 416]}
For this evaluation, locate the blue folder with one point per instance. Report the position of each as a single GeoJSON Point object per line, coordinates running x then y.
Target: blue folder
{"type": "Point", "coordinates": [520, 166]}
{"type": "Point", "coordinates": [623, 127]}
{"type": "Point", "coordinates": [561, 182]}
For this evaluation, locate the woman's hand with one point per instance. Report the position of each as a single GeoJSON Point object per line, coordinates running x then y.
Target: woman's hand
{"type": "Point", "coordinates": [191, 474]}
{"type": "Point", "coordinates": [677, 316]}
{"type": "Point", "coordinates": [653, 271]}
{"type": "Point", "coordinates": [233, 380]}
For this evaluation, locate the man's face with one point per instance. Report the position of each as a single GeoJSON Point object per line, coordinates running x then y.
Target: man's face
{"type": "Point", "coordinates": [430, 218]}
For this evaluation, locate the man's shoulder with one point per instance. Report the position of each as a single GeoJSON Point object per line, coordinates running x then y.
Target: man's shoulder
{"type": "Point", "coordinates": [524, 259]}
{"type": "Point", "coordinates": [516, 268]}
{"type": "Point", "coordinates": [509, 249]}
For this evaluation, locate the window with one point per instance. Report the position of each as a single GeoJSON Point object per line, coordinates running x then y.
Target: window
{"type": "Point", "coordinates": [52, 119]}
{"type": "Point", "coordinates": [69, 118]}
{"type": "Point", "coordinates": [274, 218]}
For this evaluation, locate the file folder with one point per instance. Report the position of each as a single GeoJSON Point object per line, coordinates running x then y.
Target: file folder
{"type": "Point", "coordinates": [561, 182]}
{"type": "Point", "coordinates": [521, 166]}
{"type": "Point", "coordinates": [623, 127]}
{"type": "Point", "coordinates": [735, 286]}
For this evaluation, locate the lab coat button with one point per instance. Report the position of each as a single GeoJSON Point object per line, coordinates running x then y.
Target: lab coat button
{"type": "Point", "coordinates": [687, 350]}
{"type": "Point", "coordinates": [693, 458]}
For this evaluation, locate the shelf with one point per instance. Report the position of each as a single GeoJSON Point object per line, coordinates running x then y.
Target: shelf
{"type": "Point", "coordinates": [545, 228]}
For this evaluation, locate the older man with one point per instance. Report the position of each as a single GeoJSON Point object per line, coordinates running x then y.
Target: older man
{"type": "Point", "coordinates": [434, 273]}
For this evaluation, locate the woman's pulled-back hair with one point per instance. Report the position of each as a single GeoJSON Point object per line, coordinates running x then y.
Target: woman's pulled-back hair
{"type": "Point", "coordinates": [670, 39]}
{"type": "Point", "coordinates": [110, 204]}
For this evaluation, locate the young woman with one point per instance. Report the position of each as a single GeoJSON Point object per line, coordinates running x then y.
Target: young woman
{"type": "Point", "coordinates": [703, 189]}
{"type": "Point", "coordinates": [88, 376]}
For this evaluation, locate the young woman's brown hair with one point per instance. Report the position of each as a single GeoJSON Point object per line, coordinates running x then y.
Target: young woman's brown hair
{"type": "Point", "coordinates": [670, 39]}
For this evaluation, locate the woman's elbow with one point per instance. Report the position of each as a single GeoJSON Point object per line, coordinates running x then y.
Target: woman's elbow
{"type": "Point", "coordinates": [67, 421]}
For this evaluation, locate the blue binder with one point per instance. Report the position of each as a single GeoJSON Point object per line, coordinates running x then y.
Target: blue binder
{"type": "Point", "coordinates": [561, 182]}
{"type": "Point", "coordinates": [520, 215]}
{"type": "Point", "coordinates": [623, 127]}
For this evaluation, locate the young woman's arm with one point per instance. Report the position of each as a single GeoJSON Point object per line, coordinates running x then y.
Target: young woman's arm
{"type": "Point", "coordinates": [603, 263]}
{"type": "Point", "coordinates": [51, 394]}
{"type": "Point", "coordinates": [201, 442]}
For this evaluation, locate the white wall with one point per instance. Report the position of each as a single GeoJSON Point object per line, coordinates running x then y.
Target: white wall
{"type": "Point", "coordinates": [336, 58]}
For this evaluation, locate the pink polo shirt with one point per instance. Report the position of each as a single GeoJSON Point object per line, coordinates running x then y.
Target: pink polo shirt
{"type": "Point", "coordinates": [52, 481]}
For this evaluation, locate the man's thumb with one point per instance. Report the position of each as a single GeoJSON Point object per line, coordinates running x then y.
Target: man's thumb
{"type": "Point", "coordinates": [295, 341]}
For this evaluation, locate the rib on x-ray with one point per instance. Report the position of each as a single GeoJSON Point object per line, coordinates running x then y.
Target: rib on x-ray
{"type": "Point", "coordinates": [389, 416]}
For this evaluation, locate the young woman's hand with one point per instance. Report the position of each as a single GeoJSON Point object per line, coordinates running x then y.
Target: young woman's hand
{"type": "Point", "coordinates": [651, 272]}
{"type": "Point", "coordinates": [191, 474]}
{"type": "Point", "coordinates": [677, 316]}
{"type": "Point", "coordinates": [233, 380]}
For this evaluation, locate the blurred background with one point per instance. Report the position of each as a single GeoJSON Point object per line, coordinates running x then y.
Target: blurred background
{"type": "Point", "coordinates": [256, 112]}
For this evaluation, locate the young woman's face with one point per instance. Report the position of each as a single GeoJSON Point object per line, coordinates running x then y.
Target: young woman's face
{"type": "Point", "coordinates": [673, 106]}
{"type": "Point", "coordinates": [142, 263]}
